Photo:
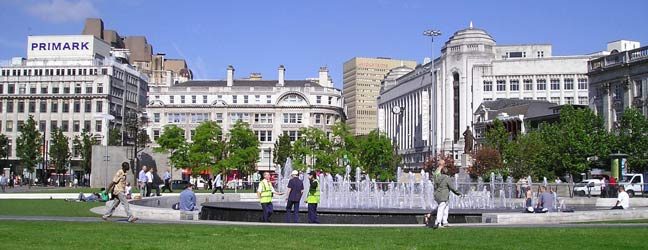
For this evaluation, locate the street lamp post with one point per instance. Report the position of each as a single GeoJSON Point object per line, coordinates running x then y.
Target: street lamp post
{"type": "Point", "coordinates": [432, 33]}
{"type": "Point", "coordinates": [106, 119]}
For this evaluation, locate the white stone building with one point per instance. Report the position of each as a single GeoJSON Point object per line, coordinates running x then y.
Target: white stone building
{"type": "Point", "coordinates": [67, 82]}
{"type": "Point", "coordinates": [271, 107]}
{"type": "Point", "coordinates": [433, 113]}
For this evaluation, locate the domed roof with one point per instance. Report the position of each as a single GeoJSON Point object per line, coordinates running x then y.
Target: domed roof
{"type": "Point", "coordinates": [393, 75]}
{"type": "Point", "coordinates": [470, 36]}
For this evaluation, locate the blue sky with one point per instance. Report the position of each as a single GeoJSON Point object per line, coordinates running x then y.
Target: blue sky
{"type": "Point", "coordinates": [258, 36]}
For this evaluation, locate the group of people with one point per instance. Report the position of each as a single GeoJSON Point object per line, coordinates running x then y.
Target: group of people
{"type": "Point", "coordinates": [146, 182]}
{"type": "Point", "coordinates": [295, 191]}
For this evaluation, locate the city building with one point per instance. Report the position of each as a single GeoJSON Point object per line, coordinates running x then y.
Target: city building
{"type": "Point", "coordinates": [619, 81]}
{"type": "Point", "coordinates": [68, 82]}
{"type": "Point", "coordinates": [427, 110]}
{"type": "Point", "coordinates": [139, 53]}
{"type": "Point", "coordinates": [361, 80]}
{"type": "Point", "coordinates": [271, 107]}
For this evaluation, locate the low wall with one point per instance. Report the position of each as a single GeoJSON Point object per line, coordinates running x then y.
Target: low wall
{"type": "Point", "coordinates": [555, 218]}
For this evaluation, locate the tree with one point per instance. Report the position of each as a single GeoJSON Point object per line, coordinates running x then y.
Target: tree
{"type": "Point", "coordinates": [523, 157]}
{"type": "Point", "coordinates": [83, 145]}
{"type": "Point", "coordinates": [314, 149]}
{"type": "Point", "coordinates": [497, 137]}
{"type": "Point", "coordinates": [282, 149]}
{"type": "Point", "coordinates": [4, 147]}
{"type": "Point", "coordinates": [346, 145]}
{"type": "Point", "coordinates": [29, 144]}
{"type": "Point", "coordinates": [207, 148]}
{"type": "Point", "coordinates": [633, 139]}
{"type": "Point", "coordinates": [432, 163]}
{"type": "Point", "coordinates": [172, 141]}
{"type": "Point", "coordinates": [114, 137]}
{"type": "Point", "coordinates": [377, 157]}
{"type": "Point", "coordinates": [486, 160]}
{"type": "Point", "coordinates": [59, 151]}
{"type": "Point", "coordinates": [242, 149]}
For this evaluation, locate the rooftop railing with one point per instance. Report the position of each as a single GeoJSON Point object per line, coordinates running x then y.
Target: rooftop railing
{"type": "Point", "coordinates": [624, 57]}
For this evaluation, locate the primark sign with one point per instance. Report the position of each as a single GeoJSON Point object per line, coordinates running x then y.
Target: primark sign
{"type": "Point", "coordinates": [66, 47]}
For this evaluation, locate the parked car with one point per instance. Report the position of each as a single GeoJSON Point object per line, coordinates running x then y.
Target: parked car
{"type": "Point", "coordinates": [633, 184]}
{"type": "Point", "coordinates": [178, 184]}
{"type": "Point", "coordinates": [591, 186]}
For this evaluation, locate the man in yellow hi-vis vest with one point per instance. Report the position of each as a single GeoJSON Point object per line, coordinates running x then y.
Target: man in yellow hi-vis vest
{"type": "Point", "coordinates": [313, 197]}
{"type": "Point", "coordinates": [264, 193]}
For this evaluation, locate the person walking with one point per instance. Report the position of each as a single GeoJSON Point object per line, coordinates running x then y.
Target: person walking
{"type": "Point", "coordinates": [155, 182]}
{"type": "Point", "coordinates": [264, 193]}
{"type": "Point", "coordinates": [295, 191]}
{"type": "Point", "coordinates": [3, 182]}
{"type": "Point", "coordinates": [167, 182]}
{"type": "Point", "coordinates": [442, 187]}
{"type": "Point", "coordinates": [118, 187]}
{"type": "Point", "coordinates": [149, 182]}
{"type": "Point", "coordinates": [218, 185]}
{"type": "Point", "coordinates": [141, 181]}
{"type": "Point", "coordinates": [313, 198]}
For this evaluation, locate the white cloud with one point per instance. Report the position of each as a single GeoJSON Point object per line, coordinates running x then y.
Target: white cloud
{"type": "Point", "coordinates": [60, 11]}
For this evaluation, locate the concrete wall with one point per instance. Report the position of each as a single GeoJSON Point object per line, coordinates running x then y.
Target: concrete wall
{"type": "Point", "coordinates": [104, 168]}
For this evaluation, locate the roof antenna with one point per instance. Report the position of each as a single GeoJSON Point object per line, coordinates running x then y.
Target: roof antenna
{"type": "Point", "coordinates": [471, 25]}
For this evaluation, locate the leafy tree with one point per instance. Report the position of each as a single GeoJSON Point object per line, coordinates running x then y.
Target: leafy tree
{"type": "Point", "coordinates": [172, 141]}
{"type": "Point", "coordinates": [282, 149]}
{"type": "Point", "coordinates": [486, 159]}
{"type": "Point", "coordinates": [59, 151]}
{"type": "Point", "coordinates": [314, 149]}
{"type": "Point", "coordinates": [633, 139]}
{"type": "Point", "coordinates": [114, 137]}
{"type": "Point", "coordinates": [497, 137]}
{"type": "Point", "coordinates": [377, 158]}
{"type": "Point", "coordinates": [83, 145]}
{"type": "Point", "coordinates": [346, 145]}
{"type": "Point", "coordinates": [207, 147]}
{"type": "Point", "coordinates": [29, 144]}
{"type": "Point", "coordinates": [432, 163]}
{"type": "Point", "coordinates": [523, 157]}
{"type": "Point", "coordinates": [4, 147]}
{"type": "Point", "coordinates": [242, 149]}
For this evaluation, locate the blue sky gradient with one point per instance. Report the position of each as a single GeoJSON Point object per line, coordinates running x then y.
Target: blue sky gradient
{"type": "Point", "coordinates": [258, 36]}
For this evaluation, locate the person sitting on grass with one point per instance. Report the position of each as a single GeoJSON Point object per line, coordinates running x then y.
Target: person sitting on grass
{"type": "Point", "coordinates": [623, 200]}
{"type": "Point", "coordinates": [104, 195]}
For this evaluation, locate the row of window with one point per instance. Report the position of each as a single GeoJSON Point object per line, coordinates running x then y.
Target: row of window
{"type": "Point", "coordinates": [76, 125]}
{"type": "Point", "coordinates": [245, 99]}
{"type": "Point", "coordinates": [55, 89]}
{"type": "Point", "coordinates": [262, 135]}
{"type": "Point", "coordinates": [51, 72]}
{"type": "Point", "coordinates": [259, 118]}
{"type": "Point", "coordinates": [65, 106]}
{"type": "Point", "coordinates": [582, 100]}
{"type": "Point", "coordinates": [541, 84]}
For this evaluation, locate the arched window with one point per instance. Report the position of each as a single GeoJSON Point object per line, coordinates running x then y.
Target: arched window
{"type": "Point", "coordinates": [292, 99]}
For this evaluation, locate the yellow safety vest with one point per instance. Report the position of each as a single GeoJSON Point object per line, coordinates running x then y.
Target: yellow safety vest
{"type": "Point", "coordinates": [266, 192]}
{"type": "Point", "coordinates": [314, 196]}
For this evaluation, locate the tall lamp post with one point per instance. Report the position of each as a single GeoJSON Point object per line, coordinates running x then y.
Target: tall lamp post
{"type": "Point", "coordinates": [106, 119]}
{"type": "Point", "coordinates": [432, 33]}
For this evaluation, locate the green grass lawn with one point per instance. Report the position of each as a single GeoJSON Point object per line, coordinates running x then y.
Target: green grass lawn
{"type": "Point", "coordinates": [48, 208]}
{"type": "Point", "coordinates": [108, 235]}
{"type": "Point", "coordinates": [618, 222]}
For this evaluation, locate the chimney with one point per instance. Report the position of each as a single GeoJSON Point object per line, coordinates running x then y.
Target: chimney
{"type": "Point", "coordinates": [230, 76]}
{"type": "Point", "coordinates": [323, 77]}
{"type": "Point", "coordinates": [282, 75]}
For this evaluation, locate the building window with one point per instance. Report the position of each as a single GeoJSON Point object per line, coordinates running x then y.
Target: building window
{"type": "Point", "coordinates": [555, 84]}
{"type": "Point", "coordinates": [263, 135]}
{"type": "Point", "coordinates": [99, 106]}
{"type": "Point", "coordinates": [582, 83]}
{"type": "Point", "coordinates": [528, 84]}
{"type": "Point", "coordinates": [194, 99]}
{"type": "Point", "coordinates": [88, 89]}
{"type": "Point", "coordinates": [43, 89]}
{"type": "Point", "coordinates": [86, 125]}
{"type": "Point", "coordinates": [77, 89]}
{"type": "Point", "coordinates": [515, 85]}
{"type": "Point", "coordinates": [328, 119]}
{"type": "Point", "coordinates": [569, 83]}
{"type": "Point", "coordinates": [257, 99]}
{"type": "Point", "coordinates": [76, 126]}
{"type": "Point", "coordinates": [10, 106]}
{"type": "Point", "coordinates": [171, 99]}
{"type": "Point", "coordinates": [542, 98]}
{"type": "Point", "coordinates": [22, 89]}
{"type": "Point", "coordinates": [582, 100]}
{"type": "Point", "coordinates": [330, 100]}
{"type": "Point", "coordinates": [11, 89]}
{"type": "Point", "coordinates": [88, 106]}
{"type": "Point", "coordinates": [77, 106]}
{"type": "Point", "coordinates": [263, 118]}
{"type": "Point", "coordinates": [569, 100]}
{"type": "Point", "coordinates": [32, 107]}
{"type": "Point", "coordinates": [204, 99]}
{"type": "Point", "coordinates": [501, 85]}
{"type": "Point", "coordinates": [555, 100]}
{"type": "Point", "coordinates": [9, 126]}
{"type": "Point", "coordinates": [21, 107]}
{"type": "Point", "coordinates": [488, 86]}
{"type": "Point", "coordinates": [65, 107]}
{"type": "Point", "coordinates": [318, 118]}
{"type": "Point", "coordinates": [294, 118]}
{"type": "Point", "coordinates": [318, 99]}
{"type": "Point", "coordinates": [234, 99]}
{"type": "Point", "coordinates": [66, 90]}
{"type": "Point", "coordinates": [42, 125]}
{"type": "Point", "coordinates": [32, 90]}
{"type": "Point", "coordinates": [156, 134]}
{"type": "Point", "coordinates": [43, 106]}
{"type": "Point", "coordinates": [156, 117]}
{"type": "Point", "coordinates": [54, 106]}
{"type": "Point", "coordinates": [268, 99]}
{"type": "Point", "coordinates": [199, 117]}
{"type": "Point", "coordinates": [219, 118]}
{"type": "Point", "coordinates": [541, 84]}
{"type": "Point", "coordinates": [235, 117]}
{"type": "Point", "coordinates": [98, 125]}
{"type": "Point", "coordinates": [294, 135]}
{"type": "Point", "coordinates": [65, 126]}
{"type": "Point", "coordinates": [540, 54]}
{"type": "Point", "coordinates": [246, 99]}
{"type": "Point", "coordinates": [182, 99]}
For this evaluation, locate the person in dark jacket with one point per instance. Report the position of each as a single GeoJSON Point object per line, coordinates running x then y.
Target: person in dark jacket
{"type": "Point", "coordinates": [442, 187]}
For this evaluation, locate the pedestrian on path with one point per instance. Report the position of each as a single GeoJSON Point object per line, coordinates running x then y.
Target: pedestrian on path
{"type": "Point", "coordinates": [218, 184]}
{"type": "Point", "coordinates": [3, 182]}
{"type": "Point", "coordinates": [118, 187]}
{"type": "Point", "coordinates": [167, 182]}
{"type": "Point", "coordinates": [442, 187]}
{"type": "Point", "coordinates": [141, 181]}
{"type": "Point", "coordinates": [264, 193]}
{"type": "Point", "coordinates": [149, 182]}
{"type": "Point", "coordinates": [313, 198]}
{"type": "Point", "coordinates": [295, 191]}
